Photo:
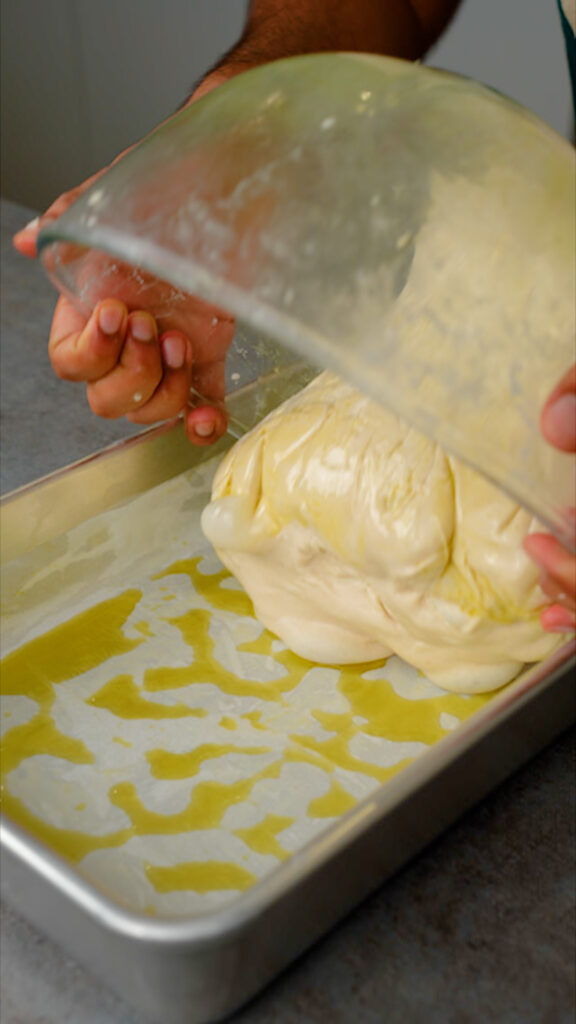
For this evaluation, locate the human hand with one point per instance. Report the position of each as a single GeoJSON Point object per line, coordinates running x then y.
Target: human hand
{"type": "Point", "coordinates": [144, 345]}
{"type": "Point", "coordinates": [558, 581]}
{"type": "Point", "coordinates": [140, 352]}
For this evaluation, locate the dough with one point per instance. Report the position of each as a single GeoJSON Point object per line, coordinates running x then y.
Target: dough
{"type": "Point", "coordinates": [357, 537]}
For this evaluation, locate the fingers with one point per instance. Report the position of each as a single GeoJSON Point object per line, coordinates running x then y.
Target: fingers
{"type": "Point", "coordinates": [206, 424]}
{"type": "Point", "coordinates": [556, 561]}
{"type": "Point", "coordinates": [87, 350]}
{"type": "Point", "coordinates": [557, 619]}
{"type": "Point", "coordinates": [558, 581]}
{"type": "Point", "coordinates": [553, 589]}
{"type": "Point", "coordinates": [130, 371]}
{"type": "Point", "coordinates": [214, 340]}
{"type": "Point", "coordinates": [209, 380]}
{"type": "Point", "coordinates": [171, 395]}
{"type": "Point", "coordinates": [558, 420]}
{"type": "Point", "coordinates": [25, 239]}
{"type": "Point", "coordinates": [138, 372]}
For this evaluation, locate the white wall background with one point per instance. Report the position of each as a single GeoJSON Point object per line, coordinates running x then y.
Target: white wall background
{"type": "Point", "coordinates": [515, 46]}
{"type": "Point", "coordinates": [81, 79]}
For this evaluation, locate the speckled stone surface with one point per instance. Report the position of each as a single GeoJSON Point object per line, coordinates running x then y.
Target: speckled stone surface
{"type": "Point", "coordinates": [480, 928]}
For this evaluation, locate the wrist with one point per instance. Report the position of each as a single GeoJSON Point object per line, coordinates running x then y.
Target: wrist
{"type": "Point", "coordinates": [212, 80]}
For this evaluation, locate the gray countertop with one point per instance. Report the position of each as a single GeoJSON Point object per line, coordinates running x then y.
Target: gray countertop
{"type": "Point", "coordinates": [480, 928]}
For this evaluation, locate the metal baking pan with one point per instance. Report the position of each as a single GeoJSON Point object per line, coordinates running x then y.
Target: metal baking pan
{"type": "Point", "coordinates": [197, 955]}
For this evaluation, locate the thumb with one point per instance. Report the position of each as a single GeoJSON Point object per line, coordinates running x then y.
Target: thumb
{"type": "Point", "coordinates": [25, 239]}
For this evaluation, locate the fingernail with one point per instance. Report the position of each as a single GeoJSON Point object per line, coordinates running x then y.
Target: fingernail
{"type": "Point", "coordinates": [142, 327]}
{"type": "Point", "coordinates": [205, 429]}
{"type": "Point", "coordinates": [110, 318]}
{"type": "Point", "coordinates": [557, 619]}
{"type": "Point", "coordinates": [531, 545]}
{"type": "Point", "coordinates": [174, 352]}
{"type": "Point", "coordinates": [560, 419]}
{"type": "Point", "coordinates": [31, 225]}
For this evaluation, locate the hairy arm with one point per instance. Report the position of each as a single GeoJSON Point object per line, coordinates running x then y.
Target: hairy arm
{"type": "Point", "coordinates": [276, 29]}
{"type": "Point", "coordinates": [129, 366]}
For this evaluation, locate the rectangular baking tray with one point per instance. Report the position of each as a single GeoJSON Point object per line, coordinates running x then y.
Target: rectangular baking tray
{"type": "Point", "coordinates": [200, 967]}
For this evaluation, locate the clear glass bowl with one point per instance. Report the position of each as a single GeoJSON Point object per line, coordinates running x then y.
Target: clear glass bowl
{"type": "Point", "coordinates": [410, 229]}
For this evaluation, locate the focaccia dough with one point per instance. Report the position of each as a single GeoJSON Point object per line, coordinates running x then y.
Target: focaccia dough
{"type": "Point", "coordinates": [357, 537]}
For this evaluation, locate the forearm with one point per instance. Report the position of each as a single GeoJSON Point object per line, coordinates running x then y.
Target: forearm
{"type": "Point", "coordinates": [276, 29]}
